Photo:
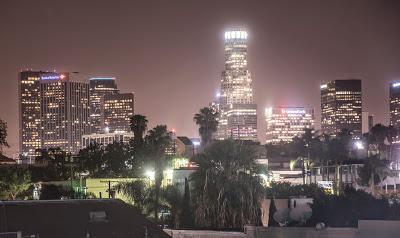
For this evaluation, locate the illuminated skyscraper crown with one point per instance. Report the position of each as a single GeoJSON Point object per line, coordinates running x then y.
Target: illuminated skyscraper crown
{"type": "Point", "coordinates": [236, 79]}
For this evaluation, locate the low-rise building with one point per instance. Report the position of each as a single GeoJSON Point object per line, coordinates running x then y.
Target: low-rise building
{"type": "Point", "coordinates": [106, 138]}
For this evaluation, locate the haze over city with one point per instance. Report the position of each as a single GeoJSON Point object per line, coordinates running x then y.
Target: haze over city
{"type": "Point", "coordinates": [171, 53]}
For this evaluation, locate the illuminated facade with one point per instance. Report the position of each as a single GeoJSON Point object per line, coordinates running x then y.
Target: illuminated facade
{"type": "Point", "coordinates": [341, 106]}
{"type": "Point", "coordinates": [116, 112]}
{"type": "Point", "coordinates": [54, 112]}
{"type": "Point", "coordinates": [238, 111]}
{"type": "Point", "coordinates": [394, 93]}
{"type": "Point", "coordinates": [285, 123]}
{"type": "Point", "coordinates": [99, 87]}
{"type": "Point", "coordinates": [106, 138]}
{"type": "Point", "coordinates": [29, 112]}
{"type": "Point", "coordinates": [64, 111]}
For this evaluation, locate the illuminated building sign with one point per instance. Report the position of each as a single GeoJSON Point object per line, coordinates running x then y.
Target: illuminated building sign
{"type": "Point", "coordinates": [293, 111]}
{"type": "Point", "coordinates": [395, 85]}
{"type": "Point", "coordinates": [235, 35]}
{"type": "Point", "coordinates": [324, 86]}
{"type": "Point", "coordinates": [52, 77]}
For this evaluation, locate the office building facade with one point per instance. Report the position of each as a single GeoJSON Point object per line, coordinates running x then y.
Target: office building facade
{"type": "Point", "coordinates": [285, 123]}
{"type": "Point", "coordinates": [238, 111]}
{"type": "Point", "coordinates": [54, 112]}
{"type": "Point", "coordinates": [99, 87]}
{"type": "Point", "coordinates": [394, 94]}
{"type": "Point", "coordinates": [64, 111]}
{"type": "Point", "coordinates": [341, 107]}
{"type": "Point", "coordinates": [116, 112]}
{"type": "Point", "coordinates": [29, 112]}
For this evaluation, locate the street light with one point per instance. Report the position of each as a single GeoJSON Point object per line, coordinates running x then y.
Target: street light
{"type": "Point", "coordinates": [359, 145]}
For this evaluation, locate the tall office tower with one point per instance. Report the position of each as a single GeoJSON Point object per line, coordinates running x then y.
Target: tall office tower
{"type": "Point", "coordinates": [341, 106]}
{"type": "Point", "coordinates": [29, 112]}
{"type": "Point", "coordinates": [116, 112]}
{"type": "Point", "coordinates": [64, 111]}
{"type": "Point", "coordinates": [238, 111]}
{"type": "Point", "coordinates": [99, 87]}
{"type": "Point", "coordinates": [284, 123]}
{"type": "Point", "coordinates": [367, 122]}
{"type": "Point", "coordinates": [394, 94]}
{"type": "Point", "coordinates": [53, 112]}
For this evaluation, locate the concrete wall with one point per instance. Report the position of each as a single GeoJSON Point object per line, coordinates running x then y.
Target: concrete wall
{"type": "Point", "coordinates": [203, 234]}
{"type": "Point", "coordinates": [300, 232]}
{"type": "Point", "coordinates": [366, 229]}
{"type": "Point", "coordinates": [380, 229]}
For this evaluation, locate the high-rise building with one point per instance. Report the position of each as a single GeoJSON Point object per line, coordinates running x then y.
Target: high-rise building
{"type": "Point", "coordinates": [29, 112]}
{"type": "Point", "coordinates": [394, 94]}
{"type": "Point", "coordinates": [116, 112]}
{"type": "Point", "coordinates": [341, 106]}
{"type": "Point", "coordinates": [54, 111]}
{"type": "Point", "coordinates": [367, 122]}
{"type": "Point", "coordinates": [238, 111]}
{"type": "Point", "coordinates": [99, 87]}
{"type": "Point", "coordinates": [65, 111]}
{"type": "Point", "coordinates": [285, 123]}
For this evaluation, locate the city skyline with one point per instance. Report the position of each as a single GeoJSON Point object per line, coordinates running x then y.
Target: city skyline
{"type": "Point", "coordinates": [287, 64]}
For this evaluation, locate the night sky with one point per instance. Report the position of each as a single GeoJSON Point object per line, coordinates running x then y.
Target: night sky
{"type": "Point", "coordinates": [170, 53]}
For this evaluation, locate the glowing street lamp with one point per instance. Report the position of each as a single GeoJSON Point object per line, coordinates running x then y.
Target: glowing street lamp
{"type": "Point", "coordinates": [359, 145]}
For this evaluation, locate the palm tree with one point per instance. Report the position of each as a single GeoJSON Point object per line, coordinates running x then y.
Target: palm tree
{"type": "Point", "coordinates": [138, 125]}
{"type": "Point", "coordinates": [377, 138]}
{"type": "Point", "coordinates": [206, 119]}
{"type": "Point", "coordinates": [374, 171]}
{"type": "Point", "coordinates": [227, 187]}
{"type": "Point", "coordinates": [158, 139]}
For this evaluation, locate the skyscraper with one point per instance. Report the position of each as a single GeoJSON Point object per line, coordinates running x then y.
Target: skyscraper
{"type": "Point", "coordinates": [64, 111]}
{"type": "Point", "coordinates": [367, 122]}
{"type": "Point", "coordinates": [116, 112]}
{"type": "Point", "coordinates": [394, 94]}
{"type": "Point", "coordinates": [29, 112]}
{"type": "Point", "coordinates": [54, 111]}
{"type": "Point", "coordinates": [341, 106]}
{"type": "Point", "coordinates": [99, 87]}
{"type": "Point", "coordinates": [284, 123]}
{"type": "Point", "coordinates": [238, 111]}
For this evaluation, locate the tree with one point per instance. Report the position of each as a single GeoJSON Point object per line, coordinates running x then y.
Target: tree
{"type": "Point", "coordinates": [142, 195]}
{"type": "Point", "coordinates": [91, 159]}
{"type": "Point", "coordinates": [377, 138]}
{"type": "Point", "coordinates": [272, 210]}
{"type": "Point", "coordinates": [206, 119]}
{"type": "Point", "coordinates": [186, 217]}
{"type": "Point", "coordinates": [227, 187]}
{"type": "Point", "coordinates": [50, 192]}
{"type": "Point", "coordinates": [3, 135]}
{"type": "Point", "coordinates": [307, 150]}
{"type": "Point", "coordinates": [56, 160]}
{"type": "Point", "coordinates": [137, 191]}
{"type": "Point", "coordinates": [138, 148]}
{"type": "Point", "coordinates": [374, 171]}
{"type": "Point", "coordinates": [14, 181]}
{"type": "Point", "coordinates": [115, 157]}
{"type": "Point", "coordinates": [158, 139]}
{"type": "Point", "coordinates": [138, 125]}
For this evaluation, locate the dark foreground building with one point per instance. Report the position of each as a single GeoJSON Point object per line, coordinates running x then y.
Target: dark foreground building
{"type": "Point", "coordinates": [91, 218]}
